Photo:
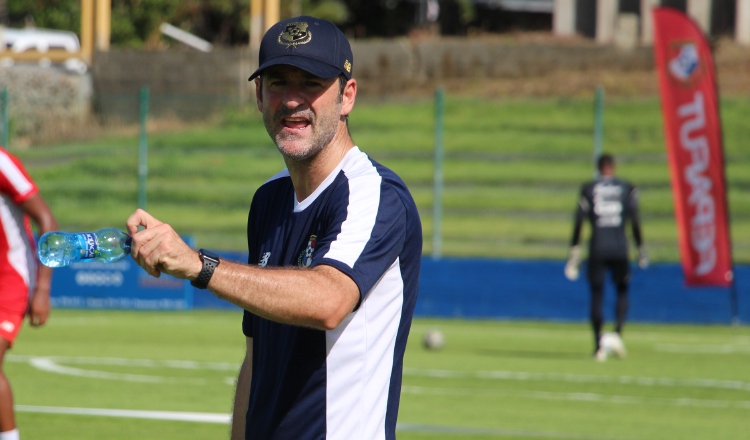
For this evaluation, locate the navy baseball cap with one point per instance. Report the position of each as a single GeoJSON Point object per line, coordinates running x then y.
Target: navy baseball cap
{"type": "Point", "coordinates": [314, 45]}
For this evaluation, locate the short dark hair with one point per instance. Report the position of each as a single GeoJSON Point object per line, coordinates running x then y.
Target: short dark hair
{"type": "Point", "coordinates": [605, 160]}
{"type": "Point", "coordinates": [342, 86]}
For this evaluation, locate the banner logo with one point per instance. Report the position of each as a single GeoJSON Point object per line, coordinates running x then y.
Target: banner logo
{"type": "Point", "coordinates": [685, 65]}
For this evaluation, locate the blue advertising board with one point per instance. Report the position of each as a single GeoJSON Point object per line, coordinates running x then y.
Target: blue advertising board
{"type": "Point", "coordinates": [472, 288]}
{"type": "Point", "coordinates": [119, 285]}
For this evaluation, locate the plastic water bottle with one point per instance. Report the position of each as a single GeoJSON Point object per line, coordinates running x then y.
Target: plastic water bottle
{"type": "Point", "coordinates": [59, 248]}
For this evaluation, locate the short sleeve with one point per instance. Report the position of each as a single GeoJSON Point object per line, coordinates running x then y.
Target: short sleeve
{"type": "Point", "coordinates": [376, 241]}
{"type": "Point", "coordinates": [14, 180]}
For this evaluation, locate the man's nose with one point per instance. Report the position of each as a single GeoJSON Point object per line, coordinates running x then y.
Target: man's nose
{"type": "Point", "coordinates": [293, 97]}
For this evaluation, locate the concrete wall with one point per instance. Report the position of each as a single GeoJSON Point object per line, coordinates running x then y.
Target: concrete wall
{"type": "Point", "coordinates": [194, 83]}
{"type": "Point", "coordinates": [184, 84]}
{"type": "Point", "coordinates": [49, 104]}
{"type": "Point", "coordinates": [44, 102]}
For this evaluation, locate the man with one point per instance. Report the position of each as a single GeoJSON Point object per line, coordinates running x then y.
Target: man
{"type": "Point", "coordinates": [608, 203]}
{"type": "Point", "coordinates": [335, 245]}
{"type": "Point", "coordinates": [20, 276]}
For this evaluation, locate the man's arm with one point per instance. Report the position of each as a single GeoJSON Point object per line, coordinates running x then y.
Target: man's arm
{"type": "Point", "coordinates": [39, 305]}
{"type": "Point", "coordinates": [643, 260]}
{"type": "Point", "coordinates": [582, 210]}
{"type": "Point", "coordinates": [321, 297]}
{"type": "Point", "coordinates": [242, 394]}
{"type": "Point", "coordinates": [635, 217]}
{"type": "Point", "coordinates": [574, 254]}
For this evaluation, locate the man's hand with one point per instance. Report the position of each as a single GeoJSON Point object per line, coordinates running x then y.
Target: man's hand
{"type": "Point", "coordinates": [158, 248]}
{"type": "Point", "coordinates": [39, 307]}
{"type": "Point", "coordinates": [574, 260]}
{"type": "Point", "coordinates": [642, 257]}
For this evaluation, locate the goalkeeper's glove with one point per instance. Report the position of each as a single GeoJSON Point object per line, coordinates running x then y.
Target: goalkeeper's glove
{"type": "Point", "coordinates": [642, 257]}
{"type": "Point", "coordinates": [574, 260]}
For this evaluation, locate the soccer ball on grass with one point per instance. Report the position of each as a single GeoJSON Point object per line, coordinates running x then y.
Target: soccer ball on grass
{"type": "Point", "coordinates": [433, 339]}
{"type": "Point", "coordinates": [610, 343]}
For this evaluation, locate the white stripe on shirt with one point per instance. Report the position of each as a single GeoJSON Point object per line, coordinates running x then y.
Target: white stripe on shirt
{"type": "Point", "coordinates": [362, 210]}
{"type": "Point", "coordinates": [14, 175]}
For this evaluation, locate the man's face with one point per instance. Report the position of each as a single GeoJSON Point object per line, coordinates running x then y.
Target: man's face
{"type": "Point", "coordinates": [301, 112]}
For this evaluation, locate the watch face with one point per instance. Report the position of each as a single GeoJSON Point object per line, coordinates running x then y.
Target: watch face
{"type": "Point", "coordinates": [208, 254]}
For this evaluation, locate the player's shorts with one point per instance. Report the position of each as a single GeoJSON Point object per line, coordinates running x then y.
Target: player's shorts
{"type": "Point", "coordinates": [13, 306]}
{"type": "Point", "coordinates": [598, 267]}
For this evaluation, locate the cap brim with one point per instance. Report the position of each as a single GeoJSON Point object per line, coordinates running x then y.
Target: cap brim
{"type": "Point", "coordinates": [315, 67]}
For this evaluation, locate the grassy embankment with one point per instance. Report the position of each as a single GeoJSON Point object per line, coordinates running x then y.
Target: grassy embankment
{"type": "Point", "coordinates": [512, 172]}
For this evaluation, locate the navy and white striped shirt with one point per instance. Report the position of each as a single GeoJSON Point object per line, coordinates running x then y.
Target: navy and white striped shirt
{"type": "Point", "coordinates": [344, 383]}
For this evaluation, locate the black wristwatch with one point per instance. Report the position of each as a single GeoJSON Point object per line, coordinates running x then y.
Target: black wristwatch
{"type": "Point", "coordinates": [210, 261]}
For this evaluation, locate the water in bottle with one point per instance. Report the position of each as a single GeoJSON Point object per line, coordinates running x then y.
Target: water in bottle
{"type": "Point", "coordinates": [59, 248]}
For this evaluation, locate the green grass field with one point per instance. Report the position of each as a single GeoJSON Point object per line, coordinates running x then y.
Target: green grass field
{"type": "Point", "coordinates": [493, 379]}
{"type": "Point", "coordinates": [512, 172]}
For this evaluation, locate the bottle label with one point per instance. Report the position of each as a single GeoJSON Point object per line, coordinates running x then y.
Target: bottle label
{"type": "Point", "coordinates": [91, 246]}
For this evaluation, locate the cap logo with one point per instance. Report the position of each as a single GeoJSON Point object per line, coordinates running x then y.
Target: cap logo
{"type": "Point", "coordinates": [295, 34]}
{"type": "Point", "coordinates": [348, 66]}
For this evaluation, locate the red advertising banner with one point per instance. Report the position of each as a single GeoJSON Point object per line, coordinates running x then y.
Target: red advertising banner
{"type": "Point", "coordinates": [692, 130]}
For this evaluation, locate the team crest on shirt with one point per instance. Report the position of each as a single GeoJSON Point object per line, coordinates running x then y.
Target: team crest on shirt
{"type": "Point", "coordinates": [264, 259]}
{"type": "Point", "coordinates": [305, 257]}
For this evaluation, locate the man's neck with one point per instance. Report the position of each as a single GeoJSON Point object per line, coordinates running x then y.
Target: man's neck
{"type": "Point", "coordinates": [307, 176]}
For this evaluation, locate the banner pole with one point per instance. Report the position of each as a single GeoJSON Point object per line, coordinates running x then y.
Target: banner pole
{"type": "Point", "coordinates": [4, 116]}
{"type": "Point", "coordinates": [143, 146]}
{"type": "Point", "coordinates": [437, 202]}
{"type": "Point", "coordinates": [598, 126]}
{"type": "Point", "coordinates": [734, 303]}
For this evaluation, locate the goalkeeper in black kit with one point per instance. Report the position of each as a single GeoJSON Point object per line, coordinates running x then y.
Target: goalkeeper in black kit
{"type": "Point", "coordinates": [608, 203]}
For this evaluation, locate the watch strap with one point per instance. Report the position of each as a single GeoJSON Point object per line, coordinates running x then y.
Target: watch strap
{"type": "Point", "coordinates": [210, 262]}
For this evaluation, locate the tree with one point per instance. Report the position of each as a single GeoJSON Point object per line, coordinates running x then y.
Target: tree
{"type": "Point", "coordinates": [135, 23]}
{"type": "Point", "coordinates": [49, 14]}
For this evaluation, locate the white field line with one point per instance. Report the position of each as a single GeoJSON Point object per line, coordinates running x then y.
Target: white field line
{"type": "Point", "coordinates": [704, 349]}
{"type": "Point", "coordinates": [581, 397]}
{"type": "Point", "coordinates": [495, 432]}
{"type": "Point", "coordinates": [563, 333]}
{"type": "Point", "coordinates": [521, 376]}
{"type": "Point", "coordinates": [127, 413]}
{"type": "Point", "coordinates": [46, 364]}
{"type": "Point", "coordinates": [226, 419]}
{"type": "Point", "coordinates": [147, 363]}
{"type": "Point", "coordinates": [52, 364]}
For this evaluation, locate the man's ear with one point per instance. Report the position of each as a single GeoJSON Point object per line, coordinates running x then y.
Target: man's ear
{"type": "Point", "coordinates": [348, 97]}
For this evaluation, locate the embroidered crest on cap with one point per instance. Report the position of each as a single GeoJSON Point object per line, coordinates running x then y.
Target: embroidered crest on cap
{"type": "Point", "coordinates": [348, 66]}
{"type": "Point", "coordinates": [295, 34]}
